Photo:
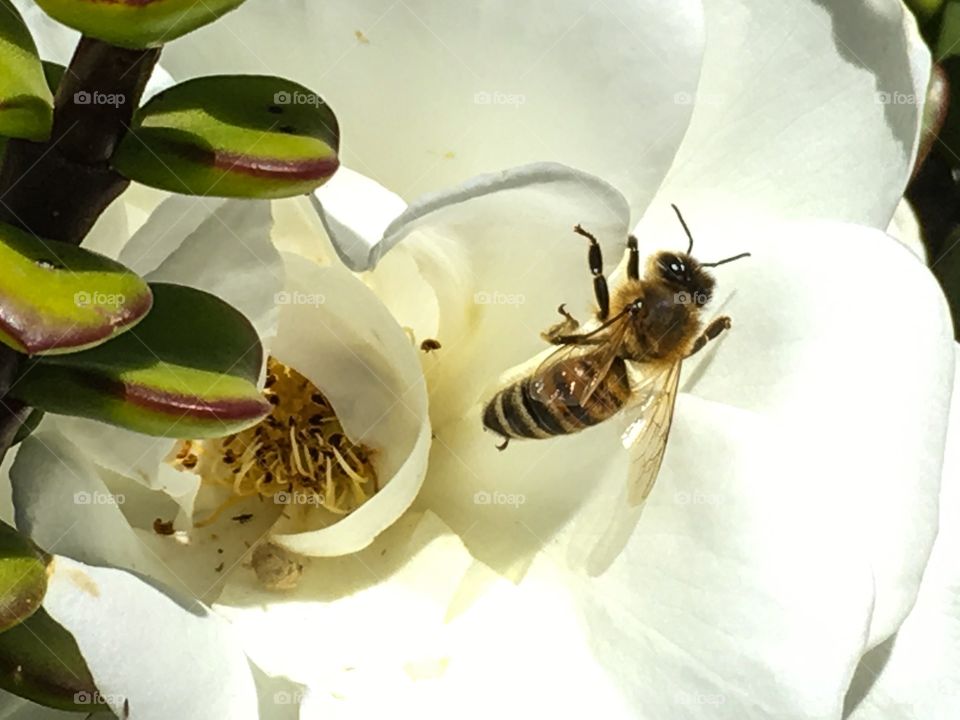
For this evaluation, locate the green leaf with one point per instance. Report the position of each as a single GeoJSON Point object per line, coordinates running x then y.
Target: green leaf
{"type": "Point", "coordinates": [948, 43]}
{"type": "Point", "coordinates": [232, 136]}
{"type": "Point", "coordinates": [137, 23]}
{"type": "Point", "coordinates": [53, 74]}
{"type": "Point", "coordinates": [40, 661]}
{"type": "Point", "coordinates": [28, 426]}
{"type": "Point", "coordinates": [26, 103]}
{"type": "Point", "coordinates": [23, 577]}
{"type": "Point", "coordinates": [925, 9]}
{"type": "Point", "coordinates": [190, 369]}
{"type": "Point", "coordinates": [56, 297]}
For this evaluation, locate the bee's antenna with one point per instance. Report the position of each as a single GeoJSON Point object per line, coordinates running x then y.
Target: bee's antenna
{"type": "Point", "coordinates": [685, 228]}
{"type": "Point", "coordinates": [723, 262]}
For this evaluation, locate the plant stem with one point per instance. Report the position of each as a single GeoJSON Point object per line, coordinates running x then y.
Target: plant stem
{"type": "Point", "coordinates": [57, 189]}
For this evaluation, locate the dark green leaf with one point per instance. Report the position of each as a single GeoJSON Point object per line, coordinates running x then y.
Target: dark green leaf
{"type": "Point", "coordinates": [23, 577]}
{"type": "Point", "coordinates": [190, 369]}
{"type": "Point", "coordinates": [26, 103]}
{"type": "Point", "coordinates": [232, 136]}
{"type": "Point", "coordinates": [28, 426]}
{"type": "Point", "coordinates": [56, 297]}
{"type": "Point", "coordinates": [53, 73]}
{"type": "Point", "coordinates": [40, 661]}
{"type": "Point", "coordinates": [136, 23]}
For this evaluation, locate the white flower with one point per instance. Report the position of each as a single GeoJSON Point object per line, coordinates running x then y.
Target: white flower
{"type": "Point", "coordinates": [796, 508]}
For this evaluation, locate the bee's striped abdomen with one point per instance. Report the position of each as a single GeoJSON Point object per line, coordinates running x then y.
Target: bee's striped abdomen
{"type": "Point", "coordinates": [513, 414]}
{"type": "Point", "coordinates": [547, 404]}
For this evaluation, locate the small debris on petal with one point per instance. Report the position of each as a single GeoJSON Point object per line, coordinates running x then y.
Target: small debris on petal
{"type": "Point", "coordinates": [243, 518]}
{"type": "Point", "coordinates": [163, 527]}
{"type": "Point", "coordinates": [429, 345]}
{"type": "Point", "coordinates": [276, 568]}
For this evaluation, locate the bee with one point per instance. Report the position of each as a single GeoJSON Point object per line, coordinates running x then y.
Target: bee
{"type": "Point", "coordinates": [644, 331]}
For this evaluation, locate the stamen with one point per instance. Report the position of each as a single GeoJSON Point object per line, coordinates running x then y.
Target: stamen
{"type": "Point", "coordinates": [299, 450]}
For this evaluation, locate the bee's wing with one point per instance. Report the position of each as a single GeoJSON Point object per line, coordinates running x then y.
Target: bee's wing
{"type": "Point", "coordinates": [604, 344]}
{"type": "Point", "coordinates": [646, 437]}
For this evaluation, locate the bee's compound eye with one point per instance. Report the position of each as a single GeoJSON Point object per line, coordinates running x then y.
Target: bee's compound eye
{"type": "Point", "coordinates": [673, 267]}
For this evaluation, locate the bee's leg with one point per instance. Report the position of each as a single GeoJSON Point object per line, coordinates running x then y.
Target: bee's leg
{"type": "Point", "coordinates": [709, 333]}
{"type": "Point", "coordinates": [595, 259]}
{"type": "Point", "coordinates": [503, 446]}
{"type": "Point", "coordinates": [633, 259]}
{"type": "Point", "coordinates": [567, 326]}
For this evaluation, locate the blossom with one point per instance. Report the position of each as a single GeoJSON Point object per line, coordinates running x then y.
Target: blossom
{"type": "Point", "coordinates": [796, 508]}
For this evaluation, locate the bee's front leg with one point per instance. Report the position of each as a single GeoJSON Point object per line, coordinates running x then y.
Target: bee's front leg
{"type": "Point", "coordinates": [711, 332]}
{"type": "Point", "coordinates": [559, 334]}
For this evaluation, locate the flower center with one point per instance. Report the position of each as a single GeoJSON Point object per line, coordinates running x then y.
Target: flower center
{"type": "Point", "coordinates": [297, 455]}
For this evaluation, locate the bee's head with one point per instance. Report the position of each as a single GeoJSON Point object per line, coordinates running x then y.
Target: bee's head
{"type": "Point", "coordinates": [684, 275]}
{"type": "Point", "coordinates": [691, 283]}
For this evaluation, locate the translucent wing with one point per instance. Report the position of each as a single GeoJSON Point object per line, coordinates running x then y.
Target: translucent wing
{"type": "Point", "coordinates": [646, 437]}
{"type": "Point", "coordinates": [602, 344]}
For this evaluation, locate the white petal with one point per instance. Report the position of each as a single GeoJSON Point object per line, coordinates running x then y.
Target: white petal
{"type": "Point", "coordinates": [372, 612]}
{"type": "Point", "coordinates": [132, 636]}
{"type": "Point", "coordinates": [64, 506]}
{"type": "Point", "coordinates": [126, 452]}
{"type": "Point", "coordinates": [356, 211]}
{"type": "Point", "coordinates": [229, 254]}
{"type": "Point", "coordinates": [16, 708]}
{"type": "Point", "coordinates": [501, 255]}
{"type": "Point", "coordinates": [109, 232]}
{"type": "Point", "coordinates": [794, 357]}
{"type": "Point", "coordinates": [463, 90]}
{"type": "Point", "coordinates": [755, 600]}
{"type": "Point", "coordinates": [169, 224]}
{"type": "Point", "coordinates": [337, 333]}
{"type": "Point", "coordinates": [915, 675]}
{"type": "Point", "coordinates": [905, 227]}
{"type": "Point", "coordinates": [54, 41]}
{"type": "Point", "coordinates": [796, 354]}
{"type": "Point", "coordinates": [804, 110]}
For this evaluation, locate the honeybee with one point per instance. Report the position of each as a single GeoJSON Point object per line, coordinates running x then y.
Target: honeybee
{"type": "Point", "coordinates": [631, 360]}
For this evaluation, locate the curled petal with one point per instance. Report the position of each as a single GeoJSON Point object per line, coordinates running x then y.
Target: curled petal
{"type": "Point", "coordinates": [365, 364]}
{"type": "Point", "coordinates": [356, 212]}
